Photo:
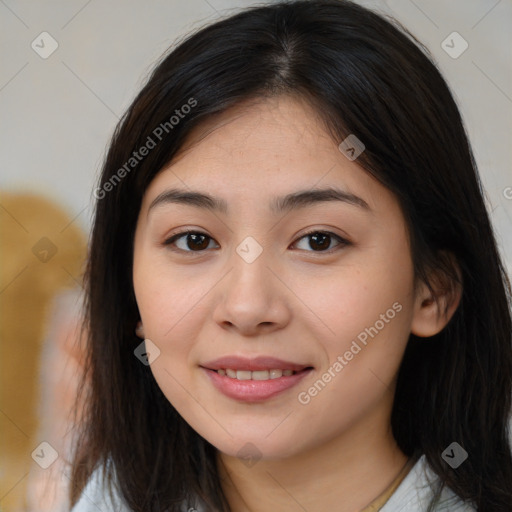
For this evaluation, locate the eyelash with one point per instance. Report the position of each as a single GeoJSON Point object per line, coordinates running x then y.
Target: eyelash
{"type": "Point", "coordinates": [342, 242]}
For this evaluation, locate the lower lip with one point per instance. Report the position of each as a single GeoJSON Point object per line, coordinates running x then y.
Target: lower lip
{"type": "Point", "coordinates": [254, 390]}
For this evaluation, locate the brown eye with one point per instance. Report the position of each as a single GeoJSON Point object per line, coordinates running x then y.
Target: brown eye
{"type": "Point", "coordinates": [320, 241]}
{"type": "Point", "coordinates": [194, 241]}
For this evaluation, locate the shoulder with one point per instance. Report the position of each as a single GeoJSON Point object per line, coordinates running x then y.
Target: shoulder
{"type": "Point", "coordinates": [414, 493]}
{"type": "Point", "coordinates": [96, 496]}
{"type": "Point", "coordinates": [417, 489]}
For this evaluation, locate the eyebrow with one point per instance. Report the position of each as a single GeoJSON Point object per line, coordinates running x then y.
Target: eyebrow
{"type": "Point", "coordinates": [293, 201]}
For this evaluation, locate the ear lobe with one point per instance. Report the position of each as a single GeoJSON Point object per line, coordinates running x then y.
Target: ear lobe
{"type": "Point", "coordinates": [435, 306]}
{"type": "Point", "coordinates": [139, 330]}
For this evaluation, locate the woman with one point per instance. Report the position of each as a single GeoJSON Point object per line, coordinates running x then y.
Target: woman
{"type": "Point", "coordinates": [295, 300]}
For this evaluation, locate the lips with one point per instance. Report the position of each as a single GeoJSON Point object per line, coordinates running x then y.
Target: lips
{"type": "Point", "coordinates": [256, 379]}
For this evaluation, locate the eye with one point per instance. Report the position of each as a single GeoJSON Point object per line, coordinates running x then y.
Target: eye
{"type": "Point", "coordinates": [320, 241]}
{"type": "Point", "coordinates": [197, 241]}
{"type": "Point", "coordinates": [194, 241]}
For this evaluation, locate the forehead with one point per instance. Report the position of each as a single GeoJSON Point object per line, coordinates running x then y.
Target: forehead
{"type": "Point", "coordinates": [259, 127]}
{"type": "Point", "coordinates": [261, 148]}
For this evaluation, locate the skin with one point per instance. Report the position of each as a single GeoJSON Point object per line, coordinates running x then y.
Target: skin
{"type": "Point", "coordinates": [295, 302]}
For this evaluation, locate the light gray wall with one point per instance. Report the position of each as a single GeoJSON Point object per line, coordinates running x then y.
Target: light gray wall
{"type": "Point", "coordinates": [57, 113]}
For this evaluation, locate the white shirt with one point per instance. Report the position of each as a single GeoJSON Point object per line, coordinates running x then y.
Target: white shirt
{"type": "Point", "coordinates": [412, 495]}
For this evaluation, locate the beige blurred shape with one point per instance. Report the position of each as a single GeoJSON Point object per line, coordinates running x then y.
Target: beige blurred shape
{"type": "Point", "coordinates": [41, 266]}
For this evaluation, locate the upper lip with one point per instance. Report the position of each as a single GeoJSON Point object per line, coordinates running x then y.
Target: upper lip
{"type": "Point", "coordinates": [253, 364]}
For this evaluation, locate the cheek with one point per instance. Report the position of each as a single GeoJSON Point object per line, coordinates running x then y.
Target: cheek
{"type": "Point", "coordinates": [166, 297]}
{"type": "Point", "coordinates": [368, 324]}
{"type": "Point", "coordinates": [363, 314]}
{"type": "Point", "coordinates": [173, 307]}
{"type": "Point", "coordinates": [349, 299]}
{"type": "Point", "coordinates": [168, 307]}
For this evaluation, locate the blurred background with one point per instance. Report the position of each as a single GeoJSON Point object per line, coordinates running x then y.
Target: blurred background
{"type": "Point", "coordinates": [69, 70]}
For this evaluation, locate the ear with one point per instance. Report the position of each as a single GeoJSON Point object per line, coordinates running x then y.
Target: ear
{"type": "Point", "coordinates": [435, 306]}
{"type": "Point", "coordinates": [139, 330]}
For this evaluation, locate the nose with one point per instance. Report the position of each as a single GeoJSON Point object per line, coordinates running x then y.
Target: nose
{"type": "Point", "coordinates": [251, 299]}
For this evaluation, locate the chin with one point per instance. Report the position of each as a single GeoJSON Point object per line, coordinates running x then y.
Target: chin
{"type": "Point", "coordinates": [254, 448]}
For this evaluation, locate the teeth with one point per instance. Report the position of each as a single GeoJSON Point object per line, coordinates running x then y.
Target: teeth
{"type": "Point", "coordinates": [260, 375]}
{"type": "Point", "coordinates": [256, 375]}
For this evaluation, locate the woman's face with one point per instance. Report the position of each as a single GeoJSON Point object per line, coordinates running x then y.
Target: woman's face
{"type": "Point", "coordinates": [336, 306]}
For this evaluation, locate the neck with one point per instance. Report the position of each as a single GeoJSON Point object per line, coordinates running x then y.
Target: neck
{"type": "Point", "coordinates": [345, 473]}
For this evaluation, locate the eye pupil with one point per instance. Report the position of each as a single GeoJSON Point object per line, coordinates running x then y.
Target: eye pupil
{"type": "Point", "coordinates": [198, 241]}
{"type": "Point", "coordinates": [320, 239]}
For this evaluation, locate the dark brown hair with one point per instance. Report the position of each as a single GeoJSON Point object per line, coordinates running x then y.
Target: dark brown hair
{"type": "Point", "coordinates": [365, 75]}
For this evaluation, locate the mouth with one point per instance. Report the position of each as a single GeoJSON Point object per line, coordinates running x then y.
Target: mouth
{"type": "Point", "coordinates": [254, 380]}
{"type": "Point", "coordinates": [274, 373]}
